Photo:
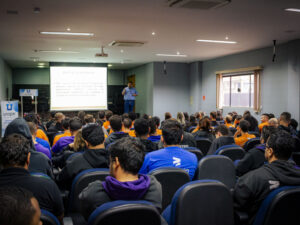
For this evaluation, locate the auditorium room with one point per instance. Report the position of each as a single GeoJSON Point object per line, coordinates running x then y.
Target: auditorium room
{"type": "Point", "coordinates": [158, 112]}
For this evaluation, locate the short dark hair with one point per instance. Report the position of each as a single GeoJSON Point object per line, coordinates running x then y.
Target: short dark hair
{"type": "Point", "coordinates": [93, 134]}
{"type": "Point", "coordinates": [244, 125]}
{"type": "Point", "coordinates": [271, 115]}
{"type": "Point", "coordinates": [157, 120]}
{"type": "Point", "coordinates": [14, 150]}
{"type": "Point", "coordinates": [31, 117]}
{"type": "Point", "coordinates": [282, 144]}
{"type": "Point", "coordinates": [204, 124]}
{"type": "Point", "coordinates": [130, 152]}
{"type": "Point", "coordinates": [16, 207]}
{"type": "Point", "coordinates": [75, 124]}
{"type": "Point", "coordinates": [52, 114]}
{"type": "Point", "coordinates": [132, 116]}
{"type": "Point", "coordinates": [228, 119]}
{"type": "Point", "coordinates": [127, 123]}
{"type": "Point", "coordinates": [266, 114]}
{"type": "Point", "coordinates": [66, 123]}
{"type": "Point", "coordinates": [124, 116]}
{"type": "Point", "coordinates": [172, 132]}
{"type": "Point", "coordinates": [146, 116]}
{"type": "Point", "coordinates": [152, 125]}
{"type": "Point", "coordinates": [115, 122]}
{"type": "Point", "coordinates": [141, 127]}
{"type": "Point", "coordinates": [213, 115]}
{"type": "Point", "coordinates": [267, 131]}
{"type": "Point", "coordinates": [108, 114]}
{"type": "Point", "coordinates": [101, 114]}
{"type": "Point", "coordinates": [286, 117]}
{"type": "Point", "coordinates": [223, 129]}
{"type": "Point", "coordinates": [89, 118]}
{"type": "Point", "coordinates": [294, 124]}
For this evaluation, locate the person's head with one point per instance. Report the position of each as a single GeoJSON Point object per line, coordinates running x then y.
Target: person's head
{"type": "Point", "coordinates": [101, 115]}
{"type": "Point", "coordinates": [264, 117]}
{"type": "Point", "coordinates": [115, 123]}
{"type": "Point", "coordinates": [32, 128]}
{"type": "Point", "coordinates": [228, 119]}
{"type": "Point", "coordinates": [15, 151]}
{"type": "Point", "coordinates": [152, 126]}
{"type": "Point", "coordinates": [157, 121]}
{"type": "Point", "coordinates": [294, 124]}
{"type": "Point", "coordinates": [130, 84]}
{"type": "Point", "coordinates": [279, 146]}
{"type": "Point", "coordinates": [125, 116]}
{"type": "Point", "coordinates": [93, 135]}
{"type": "Point", "coordinates": [172, 132]}
{"type": "Point", "coordinates": [89, 118]}
{"type": "Point", "coordinates": [108, 114]}
{"type": "Point", "coordinates": [186, 116]}
{"type": "Point", "coordinates": [59, 117]}
{"type": "Point", "coordinates": [65, 123]}
{"type": "Point", "coordinates": [201, 115]}
{"type": "Point", "coordinates": [52, 115]}
{"type": "Point", "coordinates": [266, 132]}
{"type": "Point", "coordinates": [244, 126]}
{"type": "Point", "coordinates": [79, 143]}
{"type": "Point", "coordinates": [141, 127]}
{"type": "Point", "coordinates": [132, 116]}
{"type": "Point", "coordinates": [126, 157]}
{"type": "Point", "coordinates": [168, 115]}
{"type": "Point", "coordinates": [127, 123]}
{"type": "Point", "coordinates": [18, 207]}
{"type": "Point", "coordinates": [246, 113]}
{"type": "Point", "coordinates": [238, 118]}
{"type": "Point", "coordinates": [213, 115]}
{"type": "Point", "coordinates": [75, 125]}
{"type": "Point", "coordinates": [273, 122]}
{"type": "Point", "coordinates": [31, 117]}
{"type": "Point", "coordinates": [285, 119]}
{"type": "Point", "coordinates": [192, 119]}
{"type": "Point", "coordinates": [221, 130]}
{"type": "Point", "coordinates": [145, 116]}
{"type": "Point", "coordinates": [204, 124]}
{"type": "Point", "coordinates": [180, 118]}
{"type": "Point", "coordinates": [81, 115]}
{"type": "Point", "coordinates": [271, 115]}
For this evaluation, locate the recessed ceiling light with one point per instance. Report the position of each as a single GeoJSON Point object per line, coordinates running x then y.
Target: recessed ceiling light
{"type": "Point", "coordinates": [170, 55]}
{"type": "Point", "coordinates": [153, 33]}
{"type": "Point", "coordinates": [226, 38]}
{"type": "Point", "coordinates": [122, 51]}
{"type": "Point", "coordinates": [109, 65]}
{"type": "Point", "coordinates": [293, 10]}
{"type": "Point", "coordinates": [59, 49]}
{"type": "Point", "coordinates": [216, 41]}
{"type": "Point", "coordinates": [56, 51]}
{"type": "Point", "coordinates": [41, 64]}
{"type": "Point", "coordinates": [66, 33]}
{"type": "Point", "coordinates": [68, 29]}
{"type": "Point", "coordinates": [178, 53]}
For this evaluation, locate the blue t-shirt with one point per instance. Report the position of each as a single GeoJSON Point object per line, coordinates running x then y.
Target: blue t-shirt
{"type": "Point", "coordinates": [170, 157]}
{"type": "Point", "coordinates": [129, 93]}
{"type": "Point", "coordinates": [43, 143]}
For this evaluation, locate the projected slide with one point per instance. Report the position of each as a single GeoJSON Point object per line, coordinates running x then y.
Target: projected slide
{"type": "Point", "coordinates": [78, 88]}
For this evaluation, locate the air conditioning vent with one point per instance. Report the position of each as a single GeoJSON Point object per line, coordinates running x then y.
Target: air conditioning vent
{"type": "Point", "coordinates": [197, 4]}
{"type": "Point", "coordinates": [127, 43]}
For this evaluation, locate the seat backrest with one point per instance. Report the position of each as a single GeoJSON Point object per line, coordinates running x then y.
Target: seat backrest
{"type": "Point", "coordinates": [42, 175]}
{"type": "Point", "coordinates": [296, 157]}
{"type": "Point", "coordinates": [204, 202]}
{"type": "Point", "coordinates": [48, 218]}
{"type": "Point", "coordinates": [81, 181]}
{"type": "Point", "coordinates": [203, 144]}
{"type": "Point", "coordinates": [251, 143]}
{"type": "Point", "coordinates": [234, 152]}
{"type": "Point", "coordinates": [217, 167]}
{"type": "Point", "coordinates": [196, 151]}
{"type": "Point", "coordinates": [297, 144]}
{"type": "Point", "coordinates": [171, 179]}
{"type": "Point", "coordinates": [281, 206]}
{"type": "Point", "coordinates": [125, 213]}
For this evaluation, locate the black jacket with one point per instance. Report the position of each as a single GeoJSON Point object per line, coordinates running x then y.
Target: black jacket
{"type": "Point", "coordinates": [38, 161]}
{"type": "Point", "coordinates": [219, 142]}
{"type": "Point", "coordinates": [149, 145]}
{"type": "Point", "coordinates": [252, 160]}
{"type": "Point", "coordinates": [114, 137]}
{"type": "Point", "coordinates": [91, 158]}
{"type": "Point", "coordinates": [187, 141]}
{"type": "Point", "coordinates": [204, 134]}
{"type": "Point", "coordinates": [253, 187]}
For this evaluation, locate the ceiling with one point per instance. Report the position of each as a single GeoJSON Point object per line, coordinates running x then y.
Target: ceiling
{"type": "Point", "coordinates": [252, 24]}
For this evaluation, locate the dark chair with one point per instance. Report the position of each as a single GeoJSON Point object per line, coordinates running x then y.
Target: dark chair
{"type": "Point", "coordinates": [251, 143]}
{"type": "Point", "coordinates": [255, 133]}
{"type": "Point", "coordinates": [196, 151]}
{"type": "Point", "coordinates": [296, 157]}
{"type": "Point", "coordinates": [73, 155]}
{"type": "Point", "coordinates": [234, 152]}
{"type": "Point", "coordinates": [48, 218]}
{"type": "Point", "coordinates": [204, 202]}
{"type": "Point", "coordinates": [217, 167]}
{"type": "Point", "coordinates": [297, 144]}
{"type": "Point", "coordinates": [203, 144]}
{"type": "Point", "coordinates": [125, 213]}
{"type": "Point", "coordinates": [171, 179]}
{"type": "Point", "coordinates": [281, 206]}
{"type": "Point", "coordinates": [80, 182]}
{"type": "Point", "coordinates": [42, 175]}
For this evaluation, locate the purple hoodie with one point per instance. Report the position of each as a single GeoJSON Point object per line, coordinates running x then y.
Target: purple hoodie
{"type": "Point", "coordinates": [131, 190]}
{"type": "Point", "coordinates": [61, 143]}
{"type": "Point", "coordinates": [42, 149]}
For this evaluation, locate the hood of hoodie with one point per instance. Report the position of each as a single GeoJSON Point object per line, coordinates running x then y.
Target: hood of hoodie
{"type": "Point", "coordinates": [131, 190]}
{"type": "Point", "coordinates": [149, 145]}
{"type": "Point", "coordinates": [97, 158]}
{"type": "Point", "coordinates": [285, 172]}
{"type": "Point", "coordinates": [19, 126]}
{"type": "Point", "coordinates": [117, 135]}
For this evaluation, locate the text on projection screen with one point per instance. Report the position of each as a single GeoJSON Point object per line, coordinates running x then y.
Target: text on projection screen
{"type": "Point", "coordinates": [78, 88]}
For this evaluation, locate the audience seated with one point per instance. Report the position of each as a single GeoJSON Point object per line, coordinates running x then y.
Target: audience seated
{"type": "Point", "coordinates": [284, 123]}
{"type": "Point", "coordinates": [89, 118]}
{"type": "Point", "coordinates": [102, 119]}
{"type": "Point", "coordinates": [15, 155]}
{"type": "Point", "coordinates": [228, 121]}
{"type": "Point", "coordinates": [75, 126]}
{"type": "Point", "coordinates": [39, 162]}
{"type": "Point", "coordinates": [127, 124]}
{"type": "Point", "coordinates": [252, 188]}
{"type": "Point", "coordinates": [213, 119]}
{"type": "Point", "coordinates": [132, 116]}
{"type": "Point", "coordinates": [95, 156]}
{"type": "Point", "coordinates": [273, 122]}
{"type": "Point", "coordinates": [241, 136]}
{"type": "Point", "coordinates": [191, 123]}
{"type": "Point", "coordinates": [171, 155]}
{"type": "Point", "coordinates": [255, 157]}
{"type": "Point", "coordinates": [204, 130]}
{"type": "Point", "coordinates": [253, 123]}
{"type": "Point", "coordinates": [126, 159]}
{"type": "Point", "coordinates": [117, 133]}
{"type": "Point", "coordinates": [34, 119]}
{"type": "Point", "coordinates": [153, 136]}
{"type": "Point", "coordinates": [51, 119]}
{"type": "Point", "coordinates": [57, 125]}
{"type": "Point", "coordinates": [141, 129]}
{"type": "Point", "coordinates": [38, 146]}
{"type": "Point", "coordinates": [157, 123]}
{"type": "Point", "coordinates": [222, 138]}
{"type": "Point", "coordinates": [264, 121]}
{"type": "Point", "coordinates": [18, 207]}
{"type": "Point", "coordinates": [237, 120]}
{"type": "Point", "coordinates": [66, 126]}
{"type": "Point", "coordinates": [106, 124]}
{"type": "Point", "coordinates": [180, 118]}
{"type": "Point", "coordinates": [168, 115]}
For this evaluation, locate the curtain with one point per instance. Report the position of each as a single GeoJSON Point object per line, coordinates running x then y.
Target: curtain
{"type": "Point", "coordinates": [257, 91]}
{"type": "Point", "coordinates": [218, 89]}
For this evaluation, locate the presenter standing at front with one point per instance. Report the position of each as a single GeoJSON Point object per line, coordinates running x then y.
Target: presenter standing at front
{"type": "Point", "coordinates": [129, 97]}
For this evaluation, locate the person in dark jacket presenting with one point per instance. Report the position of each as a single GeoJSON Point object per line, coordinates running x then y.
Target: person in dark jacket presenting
{"type": "Point", "coordinates": [95, 156]}
{"type": "Point", "coordinates": [253, 187]}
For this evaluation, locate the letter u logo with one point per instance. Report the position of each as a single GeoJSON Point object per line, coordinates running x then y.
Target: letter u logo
{"type": "Point", "coordinates": [9, 107]}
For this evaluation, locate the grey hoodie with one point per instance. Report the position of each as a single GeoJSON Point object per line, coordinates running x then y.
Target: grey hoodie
{"type": "Point", "coordinates": [38, 161]}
